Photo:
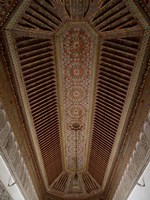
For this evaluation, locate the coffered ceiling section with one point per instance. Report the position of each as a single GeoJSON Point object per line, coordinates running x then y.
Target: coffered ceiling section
{"type": "Point", "coordinates": [76, 61]}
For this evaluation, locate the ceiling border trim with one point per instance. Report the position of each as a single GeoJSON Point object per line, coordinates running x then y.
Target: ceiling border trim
{"type": "Point", "coordinates": [136, 164]}
{"type": "Point", "coordinates": [10, 152]}
{"type": "Point", "coordinates": [137, 13]}
{"type": "Point", "coordinates": [18, 14]}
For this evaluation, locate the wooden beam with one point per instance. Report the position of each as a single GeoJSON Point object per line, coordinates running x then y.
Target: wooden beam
{"type": "Point", "coordinates": [33, 33]}
{"type": "Point", "coordinates": [93, 8]}
{"type": "Point", "coordinates": [60, 9]}
{"type": "Point", "coordinates": [120, 33]}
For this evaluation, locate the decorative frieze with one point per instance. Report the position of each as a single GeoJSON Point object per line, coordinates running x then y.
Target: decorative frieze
{"type": "Point", "coordinates": [9, 150]}
{"type": "Point", "coordinates": [139, 158]}
{"type": "Point", "coordinates": [6, 8]}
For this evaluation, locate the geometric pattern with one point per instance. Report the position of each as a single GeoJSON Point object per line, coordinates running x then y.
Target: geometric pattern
{"type": "Point", "coordinates": [76, 43]}
{"type": "Point", "coordinates": [97, 70]}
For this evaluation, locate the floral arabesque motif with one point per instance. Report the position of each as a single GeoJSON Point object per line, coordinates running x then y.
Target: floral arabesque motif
{"type": "Point", "coordinates": [76, 50]}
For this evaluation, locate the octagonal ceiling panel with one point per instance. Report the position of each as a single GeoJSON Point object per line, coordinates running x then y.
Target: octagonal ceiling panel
{"type": "Point", "coordinates": [76, 51]}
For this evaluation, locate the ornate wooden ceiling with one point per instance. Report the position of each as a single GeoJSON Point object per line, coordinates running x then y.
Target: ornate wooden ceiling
{"type": "Point", "coordinates": [76, 61]}
{"type": "Point", "coordinates": [76, 57]}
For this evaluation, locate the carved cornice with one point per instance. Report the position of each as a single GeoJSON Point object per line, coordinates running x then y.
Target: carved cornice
{"type": "Point", "coordinates": [11, 104]}
{"type": "Point", "coordinates": [9, 150]}
{"type": "Point", "coordinates": [145, 8]}
{"type": "Point", "coordinates": [24, 101]}
{"type": "Point", "coordinates": [6, 9]}
{"type": "Point", "coordinates": [18, 14]}
{"type": "Point", "coordinates": [137, 163]}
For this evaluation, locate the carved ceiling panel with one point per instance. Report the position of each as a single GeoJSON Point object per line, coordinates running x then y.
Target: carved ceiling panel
{"type": "Point", "coordinates": [76, 51]}
{"type": "Point", "coordinates": [76, 61]}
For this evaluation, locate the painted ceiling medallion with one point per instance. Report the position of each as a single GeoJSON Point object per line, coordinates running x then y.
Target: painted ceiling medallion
{"type": "Point", "coordinates": [77, 49]}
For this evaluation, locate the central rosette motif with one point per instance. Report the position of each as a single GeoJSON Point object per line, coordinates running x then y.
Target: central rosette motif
{"type": "Point", "coordinates": [76, 61]}
{"type": "Point", "coordinates": [76, 45]}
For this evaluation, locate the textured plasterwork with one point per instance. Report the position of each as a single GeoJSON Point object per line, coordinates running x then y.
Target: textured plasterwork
{"type": "Point", "coordinates": [10, 151]}
{"type": "Point", "coordinates": [138, 159]}
{"type": "Point", "coordinates": [76, 46]}
{"type": "Point", "coordinates": [4, 195]}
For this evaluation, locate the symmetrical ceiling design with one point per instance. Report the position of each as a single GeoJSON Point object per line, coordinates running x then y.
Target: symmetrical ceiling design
{"type": "Point", "coordinates": [76, 51]}
{"type": "Point", "coordinates": [76, 61]}
{"type": "Point", "coordinates": [37, 65]}
{"type": "Point", "coordinates": [116, 63]}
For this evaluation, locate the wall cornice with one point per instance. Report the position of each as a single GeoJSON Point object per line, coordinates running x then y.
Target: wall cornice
{"type": "Point", "coordinates": [7, 96]}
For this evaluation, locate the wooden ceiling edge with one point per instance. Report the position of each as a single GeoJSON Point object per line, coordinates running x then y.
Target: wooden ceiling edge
{"type": "Point", "coordinates": [65, 194]}
{"type": "Point", "coordinates": [133, 136]}
{"type": "Point", "coordinates": [93, 95]}
{"type": "Point", "coordinates": [60, 108]}
{"type": "Point", "coordinates": [129, 103]}
{"type": "Point", "coordinates": [58, 194]}
{"type": "Point", "coordinates": [134, 126]}
{"type": "Point", "coordinates": [7, 16]}
{"type": "Point", "coordinates": [12, 108]}
{"type": "Point", "coordinates": [17, 14]}
{"type": "Point", "coordinates": [20, 87]}
{"type": "Point", "coordinates": [139, 13]}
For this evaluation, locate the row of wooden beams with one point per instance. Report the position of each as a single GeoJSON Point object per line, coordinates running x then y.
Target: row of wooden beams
{"type": "Point", "coordinates": [32, 33]}
{"type": "Point", "coordinates": [93, 9]}
{"type": "Point", "coordinates": [60, 9]}
{"type": "Point", "coordinates": [119, 33]}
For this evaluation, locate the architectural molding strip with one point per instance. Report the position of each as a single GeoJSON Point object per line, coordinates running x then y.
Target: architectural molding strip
{"type": "Point", "coordinates": [139, 15]}
{"type": "Point", "coordinates": [9, 150]}
{"type": "Point", "coordinates": [18, 14]}
{"type": "Point", "coordinates": [138, 161]}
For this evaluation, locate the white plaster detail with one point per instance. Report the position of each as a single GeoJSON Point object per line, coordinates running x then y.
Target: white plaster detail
{"type": "Point", "coordinates": [138, 159]}
{"type": "Point", "coordinates": [9, 150]}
